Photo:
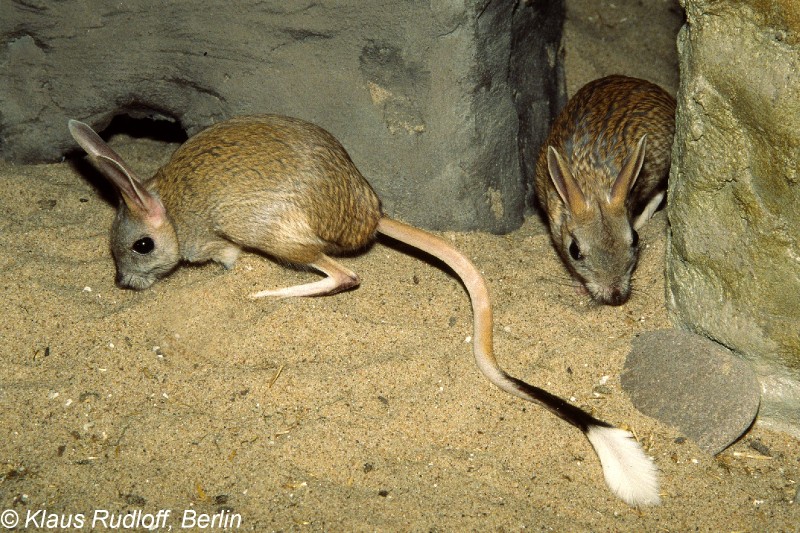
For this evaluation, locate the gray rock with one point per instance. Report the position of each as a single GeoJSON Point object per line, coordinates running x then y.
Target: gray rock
{"type": "Point", "coordinates": [694, 384]}
{"type": "Point", "coordinates": [733, 260]}
{"type": "Point", "coordinates": [422, 95]}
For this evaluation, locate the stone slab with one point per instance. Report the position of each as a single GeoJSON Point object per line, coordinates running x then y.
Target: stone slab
{"type": "Point", "coordinates": [425, 97]}
{"type": "Point", "coordinates": [693, 384]}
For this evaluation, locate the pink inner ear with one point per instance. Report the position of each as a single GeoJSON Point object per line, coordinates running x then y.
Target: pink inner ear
{"type": "Point", "coordinates": [156, 212]}
{"type": "Point", "coordinates": [565, 183]}
{"type": "Point", "coordinates": [138, 199]}
{"type": "Point", "coordinates": [136, 196]}
{"type": "Point", "coordinates": [627, 176]}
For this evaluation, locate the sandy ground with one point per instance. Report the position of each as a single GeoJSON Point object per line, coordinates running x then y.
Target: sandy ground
{"type": "Point", "coordinates": [357, 412]}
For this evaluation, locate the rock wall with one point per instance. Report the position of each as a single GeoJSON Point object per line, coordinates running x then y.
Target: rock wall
{"type": "Point", "coordinates": [421, 95]}
{"type": "Point", "coordinates": [733, 266]}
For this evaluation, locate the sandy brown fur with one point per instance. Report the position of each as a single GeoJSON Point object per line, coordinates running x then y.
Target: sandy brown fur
{"type": "Point", "coordinates": [237, 178]}
{"type": "Point", "coordinates": [596, 134]}
{"type": "Point", "coordinates": [596, 130]}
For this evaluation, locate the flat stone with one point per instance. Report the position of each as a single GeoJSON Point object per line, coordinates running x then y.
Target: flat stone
{"type": "Point", "coordinates": [694, 384]}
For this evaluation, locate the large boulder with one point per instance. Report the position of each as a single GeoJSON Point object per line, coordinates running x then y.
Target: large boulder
{"type": "Point", "coordinates": [733, 267]}
{"type": "Point", "coordinates": [422, 95]}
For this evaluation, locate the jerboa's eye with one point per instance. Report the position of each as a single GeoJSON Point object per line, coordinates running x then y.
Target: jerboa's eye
{"type": "Point", "coordinates": [575, 251]}
{"type": "Point", "coordinates": [143, 246]}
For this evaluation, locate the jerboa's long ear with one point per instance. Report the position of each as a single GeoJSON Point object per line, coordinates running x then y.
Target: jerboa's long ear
{"type": "Point", "coordinates": [117, 171]}
{"type": "Point", "coordinates": [627, 176]}
{"type": "Point", "coordinates": [561, 176]}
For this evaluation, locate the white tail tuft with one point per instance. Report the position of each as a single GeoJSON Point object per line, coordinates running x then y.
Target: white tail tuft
{"type": "Point", "coordinates": [629, 472]}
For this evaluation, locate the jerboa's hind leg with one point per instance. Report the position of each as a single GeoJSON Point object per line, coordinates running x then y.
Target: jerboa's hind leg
{"type": "Point", "coordinates": [338, 278]}
{"type": "Point", "coordinates": [649, 210]}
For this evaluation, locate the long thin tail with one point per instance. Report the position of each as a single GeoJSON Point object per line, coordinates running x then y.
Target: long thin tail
{"type": "Point", "coordinates": [628, 471]}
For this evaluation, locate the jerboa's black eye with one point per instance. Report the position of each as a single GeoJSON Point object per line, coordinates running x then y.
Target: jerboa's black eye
{"type": "Point", "coordinates": [574, 251]}
{"type": "Point", "coordinates": [143, 246]}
